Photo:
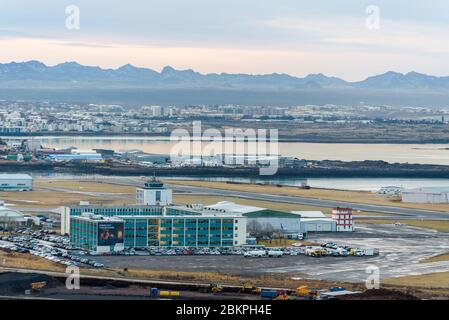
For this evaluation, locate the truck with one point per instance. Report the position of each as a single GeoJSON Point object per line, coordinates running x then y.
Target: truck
{"type": "Point", "coordinates": [316, 252]}
{"type": "Point", "coordinates": [169, 294]}
{"type": "Point", "coordinates": [302, 291]}
{"type": "Point", "coordinates": [249, 287]}
{"type": "Point", "coordinates": [211, 288]}
{"type": "Point", "coordinates": [368, 251]}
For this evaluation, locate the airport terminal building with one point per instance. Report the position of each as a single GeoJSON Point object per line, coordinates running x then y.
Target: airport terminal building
{"type": "Point", "coordinates": [146, 226]}
{"type": "Point", "coordinates": [154, 222]}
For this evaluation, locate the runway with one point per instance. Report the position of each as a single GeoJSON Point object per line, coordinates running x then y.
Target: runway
{"type": "Point", "coordinates": [396, 212]}
{"type": "Point", "coordinates": [404, 212]}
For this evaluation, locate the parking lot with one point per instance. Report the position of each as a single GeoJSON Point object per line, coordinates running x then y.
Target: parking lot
{"type": "Point", "coordinates": [401, 248]}
{"type": "Point", "coordinates": [48, 246]}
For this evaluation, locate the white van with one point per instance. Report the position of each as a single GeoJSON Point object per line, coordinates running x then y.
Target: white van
{"type": "Point", "coordinates": [275, 253]}
{"type": "Point", "coordinates": [255, 254]}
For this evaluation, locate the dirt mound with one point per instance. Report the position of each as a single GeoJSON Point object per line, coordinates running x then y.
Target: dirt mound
{"type": "Point", "coordinates": [379, 294]}
{"type": "Point", "coordinates": [12, 282]}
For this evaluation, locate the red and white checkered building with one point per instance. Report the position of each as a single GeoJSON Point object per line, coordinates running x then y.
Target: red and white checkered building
{"type": "Point", "coordinates": [343, 218]}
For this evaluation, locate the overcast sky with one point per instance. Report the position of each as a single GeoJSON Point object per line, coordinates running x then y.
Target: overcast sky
{"type": "Point", "coordinates": [237, 36]}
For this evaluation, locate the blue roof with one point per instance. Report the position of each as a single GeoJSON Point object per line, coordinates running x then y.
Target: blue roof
{"type": "Point", "coordinates": [75, 156]}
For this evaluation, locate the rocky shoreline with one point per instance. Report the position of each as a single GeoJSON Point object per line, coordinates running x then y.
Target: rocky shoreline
{"type": "Point", "coordinates": [282, 138]}
{"type": "Point", "coordinates": [320, 169]}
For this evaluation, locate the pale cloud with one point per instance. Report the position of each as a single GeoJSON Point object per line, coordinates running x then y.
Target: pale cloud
{"type": "Point", "coordinates": [392, 36]}
{"type": "Point", "coordinates": [285, 36]}
{"type": "Point", "coordinates": [206, 59]}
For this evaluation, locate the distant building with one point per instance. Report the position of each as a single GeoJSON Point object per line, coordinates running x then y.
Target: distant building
{"type": "Point", "coordinates": [87, 157]}
{"type": "Point", "coordinates": [390, 190]}
{"type": "Point", "coordinates": [16, 182]}
{"type": "Point", "coordinates": [246, 159]}
{"type": "Point", "coordinates": [292, 162]}
{"type": "Point", "coordinates": [343, 218]}
{"type": "Point", "coordinates": [10, 218]}
{"type": "Point", "coordinates": [105, 153]}
{"type": "Point", "coordinates": [287, 223]}
{"type": "Point", "coordinates": [426, 195]}
{"type": "Point", "coordinates": [316, 221]}
{"type": "Point", "coordinates": [153, 193]}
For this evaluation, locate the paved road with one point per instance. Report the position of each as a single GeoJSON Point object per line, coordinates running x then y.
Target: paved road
{"type": "Point", "coordinates": [89, 193]}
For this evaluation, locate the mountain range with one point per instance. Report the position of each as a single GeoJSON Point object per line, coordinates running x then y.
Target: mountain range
{"type": "Point", "coordinates": [73, 82]}
{"type": "Point", "coordinates": [74, 75]}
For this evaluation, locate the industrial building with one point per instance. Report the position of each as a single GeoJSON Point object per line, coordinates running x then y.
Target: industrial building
{"type": "Point", "coordinates": [390, 190]}
{"type": "Point", "coordinates": [153, 193]}
{"type": "Point", "coordinates": [315, 221]}
{"type": "Point", "coordinates": [16, 182]}
{"type": "Point", "coordinates": [245, 159]}
{"type": "Point", "coordinates": [10, 218]}
{"type": "Point", "coordinates": [143, 157]}
{"type": "Point", "coordinates": [261, 218]}
{"type": "Point", "coordinates": [426, 195]}
{"type": "Point", "coordinates": [88, 157]}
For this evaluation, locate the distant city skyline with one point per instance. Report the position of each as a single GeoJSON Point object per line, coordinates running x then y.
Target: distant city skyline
{"type": "Point", "coordinates": [285, 36]}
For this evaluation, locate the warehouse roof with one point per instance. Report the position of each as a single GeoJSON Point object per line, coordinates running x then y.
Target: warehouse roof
{"type": "Point", "coordinates": [15, 176]}
{"type": "Point", "coordinates": [317, 220]}
{"type": "Point", "coordinates": [310, 214]}
{"type": "Point", "coordinates": [248, 211]}
{"type": "Point", "coordinates": [10, 214]}
{"type": "Point", "coordinates": [228, 206]}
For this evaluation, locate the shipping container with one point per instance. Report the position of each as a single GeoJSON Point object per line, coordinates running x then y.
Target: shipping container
{"type": "Point", "coordinates": [270, 294]}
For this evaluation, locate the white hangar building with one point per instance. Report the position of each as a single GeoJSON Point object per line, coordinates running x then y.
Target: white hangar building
{"type": "Point", "coordinates": [16, 182]}
{"type": "Point", "coordinates": [426, 195]}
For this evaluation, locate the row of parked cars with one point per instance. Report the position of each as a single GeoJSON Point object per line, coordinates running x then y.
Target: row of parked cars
{"type": "Point", "coordinates": [59, 241]}
{"type": "Point", "coordinates": [332, 249]}
{"type": "Point", "coordinates": [326, 249]}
